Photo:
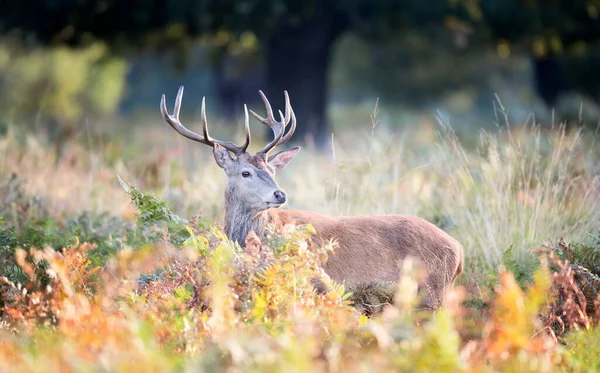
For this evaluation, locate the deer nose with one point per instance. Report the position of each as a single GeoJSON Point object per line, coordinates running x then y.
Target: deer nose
{"type": "Point", "coordinates": [280, 196]}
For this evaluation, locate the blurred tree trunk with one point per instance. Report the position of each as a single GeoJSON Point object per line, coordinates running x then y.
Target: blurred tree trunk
{"type": "Point", "coordinates": [298, 60]}
{"type": "Point", "coordinates": [549, 80]}
{"type": "Point", "coordinates": [225, 94]}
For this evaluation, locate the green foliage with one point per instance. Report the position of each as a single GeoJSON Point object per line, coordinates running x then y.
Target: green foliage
{"type": "Point", "coordinates": [582, 351]}
{"type": "Point", "coordinates": [108, 233]}
{"type": "Point", "coordinates": [163, 294]}
{"type": "Point", "coordinates": [58, 86]}
{"type": "Point", "coordinates": [585, 255]}
{"type": "Point", "coordinates": [521, 268]}
{"type": "Point", "coordinates": [437, 351]}
{"type": "Point", "coordinates": [546, 27]}
{"type": "Point", "coordinates": [183, 293]}
{"type": "Point", "coordinates": [153, 212]}
{"type": "Point", "coordinates": [16, 206]}
{"type": "Point", "coordinates": [26, 223]}
{"type": "Point", "coordinates": [371, 298]}
{"type": "Point", "coordinates": [172, 19]}
{"type": "Point", "coordinates": [8, 266]}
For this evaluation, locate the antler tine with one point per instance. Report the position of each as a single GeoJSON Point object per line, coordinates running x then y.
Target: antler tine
{"type": "Point", "coordinates": [246, 129]}
{"type": "Point", "coordinates": [288, 107]}
{"type": "Point", "coordinates": [278, 128]}
{"type": "Point", "coordinates": [174, 122]}
{"type": "Point", "coordinates": [270, 118]}
{"type": "Point", "coordinates": [290, 132]}
{"type": "Point", "coordinates": [289, 112]}
{"type": "Point", "coordinates": [204, 123]}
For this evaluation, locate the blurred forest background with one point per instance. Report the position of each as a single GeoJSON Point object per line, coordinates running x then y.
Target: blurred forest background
{"type": "Point", "coordinates": [111, 252]}
{"type": "Point", "coordinates": [68, 65]}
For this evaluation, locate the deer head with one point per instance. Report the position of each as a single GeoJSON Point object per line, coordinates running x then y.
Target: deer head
{"type": "Point", "coordinates": [251, 185]}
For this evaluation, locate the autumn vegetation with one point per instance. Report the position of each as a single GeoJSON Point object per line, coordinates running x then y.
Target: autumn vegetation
{"type": "Point", "coordinates": [113, 259]}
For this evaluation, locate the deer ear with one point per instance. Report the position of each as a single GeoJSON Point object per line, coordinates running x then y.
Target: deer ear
{"type": "Point", "coordinates": [222, 156]}
{"type": "Point", "coordinates": [281, 159]}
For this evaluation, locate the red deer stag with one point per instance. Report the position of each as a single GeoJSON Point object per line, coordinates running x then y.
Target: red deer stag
{"type": "Point", "coordinates": [369, 248]}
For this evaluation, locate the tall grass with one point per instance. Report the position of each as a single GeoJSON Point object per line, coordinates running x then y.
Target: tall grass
{"type": "Point", "coordinates": [144, 292]}
{"type": "Point", "coordinates": [517, 191]}
{"type": "Point", "coordinates": [512, 191]}
{"type": "Point", "coordinates": [505, 196]}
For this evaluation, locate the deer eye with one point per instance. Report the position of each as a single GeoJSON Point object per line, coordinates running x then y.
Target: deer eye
{"type": "Point", "coordinates": [245, 174]}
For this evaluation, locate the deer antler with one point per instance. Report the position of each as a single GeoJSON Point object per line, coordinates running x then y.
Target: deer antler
{"type": "Point", "coordinates": [277, 127]}
{"type": "Point", "coordinates": [174, 122]}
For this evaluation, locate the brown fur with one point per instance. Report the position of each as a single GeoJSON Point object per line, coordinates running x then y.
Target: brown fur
{"type": "Point", "coordinates": [370, 248]}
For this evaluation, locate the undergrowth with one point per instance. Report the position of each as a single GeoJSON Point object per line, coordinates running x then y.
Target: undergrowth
{"type": "Point", "coordinates": [202, 303]}
{"type": "Point", "coordinates": [103, 286]}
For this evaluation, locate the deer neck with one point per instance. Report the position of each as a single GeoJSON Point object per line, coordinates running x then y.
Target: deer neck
{"type": "Point", "coordinates": [240, 221]}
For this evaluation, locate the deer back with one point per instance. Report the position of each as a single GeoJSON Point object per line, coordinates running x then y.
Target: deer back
{"type": "Point", "coordinates": [371, 248]}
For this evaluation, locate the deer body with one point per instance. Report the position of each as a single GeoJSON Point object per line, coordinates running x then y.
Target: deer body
{"type": "Point", "coordinates": [368, 248]}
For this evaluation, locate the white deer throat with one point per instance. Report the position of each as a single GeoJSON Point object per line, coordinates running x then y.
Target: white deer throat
{"type": "Point", "coordinates": [239, 222]}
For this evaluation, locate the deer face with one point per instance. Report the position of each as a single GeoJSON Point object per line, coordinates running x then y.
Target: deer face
{"type": "Point", "coordinates": [251, 178]}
